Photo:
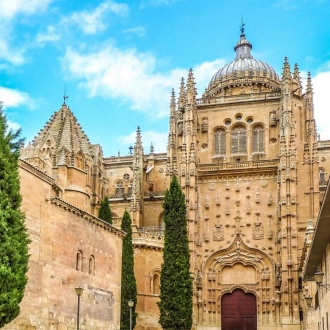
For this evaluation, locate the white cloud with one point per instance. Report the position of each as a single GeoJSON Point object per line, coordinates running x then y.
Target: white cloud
{"type": "Point", "coordinates": [204, 72]}
{"type": "Point", "coordinates": [321, 84]}
{"type": "Point", "coordinates": [156, 3]}
{"type": "Point", "coordinates": [139, 31]}
{"type": "Point", "coordinates": [11, 8]}
{"type": "Point", "coordinates": [11, 55]}
{"type": "Point", "coordinates": [126, 75]}
{"type": "Point", "coordinates": [131, 77]}
{"type": "Point", "coordinates": [12, 98]}
{"type": "Point", "coordinates": [91, 22]}
{"type": "Point", "coordinates": [158, 140]}
{"type": "Point", "coordinates": [51, 35]}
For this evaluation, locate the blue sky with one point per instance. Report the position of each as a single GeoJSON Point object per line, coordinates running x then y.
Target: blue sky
{"type": "Point", "coordinates": [119, 60]}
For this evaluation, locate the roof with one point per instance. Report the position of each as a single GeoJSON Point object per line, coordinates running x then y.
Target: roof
{"type": "Point", "coordinates": [243, 69]}
{"type": "Point", "coordinates": [321, 238]}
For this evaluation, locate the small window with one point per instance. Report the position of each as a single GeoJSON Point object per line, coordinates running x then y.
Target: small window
{"type": "Point", "coordinates": [126, 176]}
{"type": "Point", "coordinates": [91, 265]}
{"type": "Point", "coordinates": [227, 122]}
{"type": "Point", "coordinates": [155, 283]}
{"type": "Point", "coordinates": [79, 259]}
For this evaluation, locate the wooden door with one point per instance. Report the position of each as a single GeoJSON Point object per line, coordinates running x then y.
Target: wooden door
{"type": "Point", "coordinates": [238, 311]}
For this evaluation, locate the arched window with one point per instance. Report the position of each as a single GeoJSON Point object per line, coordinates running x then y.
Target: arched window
{"type": "Point", "coordinates": [258, 140]}
{"type": "Point", "coordinates": [79, 259]}
{"type": "Point", "coordinates": [238, 140]}
{"type": "Point", "coordinates": [220, 142]}
{"type": "Point", "coordinates": [322, 176]}
{"type": "Point", "coordinates": [155, 283]}
{"type": "Point", "coordinates": [91, 265]}
{"type": "Point", "coordinates": [120, 189]}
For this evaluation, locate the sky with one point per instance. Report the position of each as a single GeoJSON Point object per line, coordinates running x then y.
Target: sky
{"type": "Point", "coordinates": [117, 61]}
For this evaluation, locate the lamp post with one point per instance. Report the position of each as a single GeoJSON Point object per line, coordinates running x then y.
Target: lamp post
{"type": "Point", "coordinates": [79, 292]}
{"type": "Point", "coordinates": [318, 278]}
{"type": "Point", "coordinates": [130, 304]}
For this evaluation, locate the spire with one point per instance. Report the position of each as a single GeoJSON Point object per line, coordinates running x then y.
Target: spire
{"type": "Point", "coordinates": [243, 46]}
{"type": "Point", "coordinates": [171, 136]}
{"type": "Point", "coordinates": [172, 105]}
{"type": "Point", "coordinates": [309, 87]}
{"type": "Point", "coordinates": [286, 70]}
{"type": "Point", "coordinates": [138, 144]}
{"type": "Point", "coordinates": [297, 80]}
{"type": "Point", "coordinates": [296, 74]}
{"type": "Point", "coordinates": [191, 90]}
{"type": "Point", "coordinates": [182, 95]}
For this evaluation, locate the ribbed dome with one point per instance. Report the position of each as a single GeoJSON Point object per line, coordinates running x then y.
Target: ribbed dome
{"type": "Point", "coordinates": [244, 69]}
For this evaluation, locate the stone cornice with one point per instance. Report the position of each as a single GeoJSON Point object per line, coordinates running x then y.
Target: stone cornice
{"type": "Point", "coordinates": [87, 216]}
{"type": "Point", "coordinates": [35, 171]}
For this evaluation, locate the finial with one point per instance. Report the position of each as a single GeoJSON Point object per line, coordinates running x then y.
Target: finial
{"type": "Point", "coordinates": [64, 95]}
{"type": "Point", "coordinates": [309, 87]}
{"type": "Point", "coordinates": [151, 148]}
{"type": "Point", "coordinates": [242, 27]}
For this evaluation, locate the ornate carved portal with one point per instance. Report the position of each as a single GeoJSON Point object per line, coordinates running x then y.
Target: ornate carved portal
{"type": "Point", "coordinates": [237, 268]}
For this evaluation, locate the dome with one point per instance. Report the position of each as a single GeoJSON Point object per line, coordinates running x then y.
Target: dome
{"type": "Point", "coordinates": [243, 70]}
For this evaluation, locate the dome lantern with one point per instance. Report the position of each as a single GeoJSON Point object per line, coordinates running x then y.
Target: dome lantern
{"type": "Point", "coordinates": [244, 71]}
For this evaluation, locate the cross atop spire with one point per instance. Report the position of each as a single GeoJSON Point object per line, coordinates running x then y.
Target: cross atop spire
{"type": "Point", "coordinates": [242, 28]}
{"type": "Point", "coordinates": [64, 95]}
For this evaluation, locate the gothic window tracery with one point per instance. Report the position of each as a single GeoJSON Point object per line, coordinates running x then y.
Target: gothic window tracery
{"type": "Point", "coordinates": [258, 139]}
{"type": "Point", "coordinates": [120, 189]}
{"type": "Point", "coordinates": [238, 140]}
{"type": "Point", "coordinates": [220, 142]}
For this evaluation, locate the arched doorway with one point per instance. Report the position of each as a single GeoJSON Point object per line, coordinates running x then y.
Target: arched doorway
{"type": "Point", "coordinates": [238, 311]}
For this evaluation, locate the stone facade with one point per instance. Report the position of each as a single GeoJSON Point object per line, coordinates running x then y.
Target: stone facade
{"type": "Point", "coordinates": [69, 248]}
{"type": "Point", "coordinates": [253, 172]}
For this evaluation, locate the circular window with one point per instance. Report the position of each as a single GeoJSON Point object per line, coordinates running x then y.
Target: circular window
{"type": "Point", "coordinates": [126, 176]}
{"type": "Point", "coordinates": [249, 120]}
{"type": "Point", "coordinates": [239, 117]}
{"type": "Point", "coordinates": [227, 122]}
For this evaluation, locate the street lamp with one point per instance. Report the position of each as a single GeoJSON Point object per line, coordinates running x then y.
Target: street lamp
{"type": "Point", "coordinates": [309, 301]}
{"type": "Point", "coordinates": [130, 304]}
{"type": "Point", "coordinates": [318, 278]}
{"type": "Point", "coordinates": [79, 292]}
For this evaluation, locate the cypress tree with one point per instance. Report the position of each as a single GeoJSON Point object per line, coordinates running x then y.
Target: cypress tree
{"type": "Point", "coordinates": [105, 210]}
{"type": "Point", "coordinates": [128, 281]}
{"type": "Point", "coordinates": [176, 289]}
{"type": "Point", "coordinates": [13, 233]}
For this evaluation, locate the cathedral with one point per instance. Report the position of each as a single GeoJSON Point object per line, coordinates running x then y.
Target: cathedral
{"type": "Point", "coordinates": [253, 170]}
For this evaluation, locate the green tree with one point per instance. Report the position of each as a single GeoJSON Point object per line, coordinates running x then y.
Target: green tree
{"type": "Point", "coordinates": [105, 210]}
{"type": "Point", "coordinates": [13, 233]}
{"type": "Point", "coordinates": [176, 289]}
{"type": "Point", "coordinates": [128, 281]}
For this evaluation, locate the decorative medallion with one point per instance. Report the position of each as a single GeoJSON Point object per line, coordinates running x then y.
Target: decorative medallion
{"type": "Point", "coordinates": [161, 170]}
{"type": "Point", "coordinates": [212, 186]}
{"type": "Point", "coordinates": [264, 183]}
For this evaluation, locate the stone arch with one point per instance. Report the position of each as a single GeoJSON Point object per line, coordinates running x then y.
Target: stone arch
{"type": "Point", "coordinates": [155, 281]}
{"type": "Point", "coordinates": [237, 266]}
